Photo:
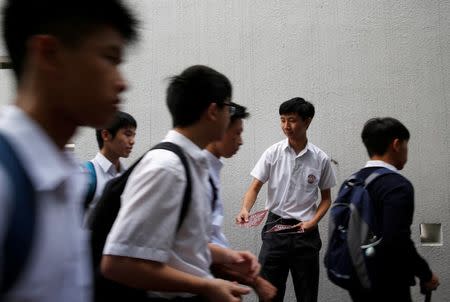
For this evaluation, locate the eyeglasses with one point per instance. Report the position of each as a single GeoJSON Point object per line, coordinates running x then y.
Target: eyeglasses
{"type": "Point", "coordinates": [232, 107]}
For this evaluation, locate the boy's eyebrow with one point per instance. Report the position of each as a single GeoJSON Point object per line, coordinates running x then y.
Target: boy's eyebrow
{"type": "Point", "coordinates": [115, 48]}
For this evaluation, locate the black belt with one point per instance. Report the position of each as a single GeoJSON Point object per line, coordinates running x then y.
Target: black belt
{"type": "Point", "coordinates": [272, 217]}
{"type": "Point", "coordinates": [177, 299]}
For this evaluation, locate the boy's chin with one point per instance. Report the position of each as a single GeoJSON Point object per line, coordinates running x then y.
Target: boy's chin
{"type": "Point", "coordinates": [125, 155]}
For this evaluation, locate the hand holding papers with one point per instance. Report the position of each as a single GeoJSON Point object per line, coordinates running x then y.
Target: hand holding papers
{"type": "Point", "coordinates": [283, 227]}
{"type": "Point", "coordinates": [255, 219]}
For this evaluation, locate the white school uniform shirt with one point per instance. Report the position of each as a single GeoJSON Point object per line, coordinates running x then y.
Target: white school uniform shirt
{"type": "Point", "coordinates": [294, 180]}
{"type": "Point", "coordinates": [59, 266]}
{"type": "Point", "coordinates": [146, 226]}
{"type": "Point", "coordinates": [215, 166]}
{"type": "Point", "coordinates": [104, 171]}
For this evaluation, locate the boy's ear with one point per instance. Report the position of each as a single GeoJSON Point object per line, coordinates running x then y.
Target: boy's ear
{"type": "Point", "coordinates": [43, 51]}
{"type": "Point", "coordinates": [308, 122]}
{"type": "Point", "coordinates": [212, 112]}
{"type": "Point", "coordinates": [106, 136]}
{"type": "Point", "coordinates": [396, 144]}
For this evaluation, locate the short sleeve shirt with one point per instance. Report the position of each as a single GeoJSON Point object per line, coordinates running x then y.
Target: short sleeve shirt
{"type": "Point", "coordinates": [217, 236]}
{"type": "Point", "coordinates": [58, 266]}
{"type": "Point", "coordinates": [145, 227]}
{"type": "Point", "coordinates": [104, 171]}
{"type": "Point", "coordinates": [294, 180]}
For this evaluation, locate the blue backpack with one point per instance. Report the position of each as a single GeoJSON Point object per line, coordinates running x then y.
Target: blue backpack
{"type": "Point", "coordinates": [20, 229]}
{"type": "Point", "coordinates": [353, 234]}
{"type": "Point", "coordinates": [92, 184]}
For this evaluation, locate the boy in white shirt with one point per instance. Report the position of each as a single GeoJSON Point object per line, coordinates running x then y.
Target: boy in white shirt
{"type": "Point", "coordinates": [227, 147]}
{"type": "Point", "coordinates": [144, 248]}
{"type": "Point", "coordinates": [115, 141]}
{"type": "Point", "coordinates": [295, 171]}
{"type": "Point", "coordinates": [65, 57]}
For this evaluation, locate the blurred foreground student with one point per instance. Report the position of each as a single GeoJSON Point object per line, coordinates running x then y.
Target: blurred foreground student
{"type": "Point", "coordinates": [65, 57]}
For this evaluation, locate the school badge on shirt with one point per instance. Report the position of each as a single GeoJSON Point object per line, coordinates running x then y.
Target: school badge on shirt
{"type": "Point", "coordinates": [311, 179]}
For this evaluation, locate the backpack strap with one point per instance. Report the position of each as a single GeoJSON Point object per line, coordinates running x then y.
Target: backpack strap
{"type": "Point", "coordinates": [214, 197]}
{"type": "Point", "coordinates": [187, 192]}
{"type": "Point", "coordinates": [92, 184]}
{"type": "Point", "coordinates": [19, 233]}
{"type": "Point", "coordinates": [375, 174]}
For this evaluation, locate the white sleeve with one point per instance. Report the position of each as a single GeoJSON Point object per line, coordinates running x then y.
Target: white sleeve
{"type": "Point", "coordinates": [217, 235]}
{"type": "Point", "coordinates": [145, 227]}
{"type": "Point", "coordinates": [328, 178]}
{"type": "Point", "coordinates": [261, 171]}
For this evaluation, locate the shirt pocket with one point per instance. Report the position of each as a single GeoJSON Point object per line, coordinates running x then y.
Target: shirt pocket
{"type": "Point", "coordinates": [310, 179]}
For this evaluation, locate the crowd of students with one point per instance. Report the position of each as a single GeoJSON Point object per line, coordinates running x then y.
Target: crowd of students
{"type": "Point", "coordinates": [65, 58]}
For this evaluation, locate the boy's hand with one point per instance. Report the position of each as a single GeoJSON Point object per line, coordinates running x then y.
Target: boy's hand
{"type": "Point", "coordinates": [307, 226]}
{"type": "Point", "coordinates": [264, 289]}
{"type": "Point", "coordinates": [244, 262]}
{"type": "Point", "coordinates": [242, 217]}
{"type": "Point", "coordinates": [432, 284]}
{"type": "Point", "coordinates": [220, 290]}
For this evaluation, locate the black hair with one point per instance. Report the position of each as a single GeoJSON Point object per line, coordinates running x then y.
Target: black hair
{"type": "Point", "coordinates": [303, 108]}
{"type": "Point", "coordinates": [69, 21]}
{"type": "Point", "coordinates": [121, 120]}
{"type": "Point", "coordinates": [378, 133]}
{"type": "Point", "coordinates": [239, 113]}
{"type": "Point", "coordinates": [190, 93]}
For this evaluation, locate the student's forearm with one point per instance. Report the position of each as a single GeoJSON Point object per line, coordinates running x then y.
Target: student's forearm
{"type": "Point", "coordinates": [249, 200]}
{"type": "Point", "coordinates": [219, 254]}
{"type": "Point", "coordinates": [227, 273]}
{"type": "Point", "coordinates": [251, 194]}
{"type": "Point", "coordinates": [321, 210]}
{"type": "Point", "coordinates": [151, 275]}
{"type": "Point", "coordinates": [324, 205]}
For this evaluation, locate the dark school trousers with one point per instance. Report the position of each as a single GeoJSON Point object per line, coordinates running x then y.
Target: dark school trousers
{"type": "Point", "coordinates": [286, 251]}
{"type": "Point", "coordinates": [391, 294]}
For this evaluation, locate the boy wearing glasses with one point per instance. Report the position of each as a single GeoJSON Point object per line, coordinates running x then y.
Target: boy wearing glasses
{"type": "Point", "coordinates": [144, 248]}
{"type": "Point", "coordinates": [226, 148]}
{"type": "Point", "coordinates": [295, 171]}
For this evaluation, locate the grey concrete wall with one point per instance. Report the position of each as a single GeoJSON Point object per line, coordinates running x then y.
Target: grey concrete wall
{"type": "Point", "coordinates": [353, 60]}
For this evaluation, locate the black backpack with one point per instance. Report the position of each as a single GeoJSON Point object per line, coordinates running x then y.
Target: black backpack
{"type": "Point", "coordinates": [19, 235]}
{"type": "Point", "coordinates": [102, 220]}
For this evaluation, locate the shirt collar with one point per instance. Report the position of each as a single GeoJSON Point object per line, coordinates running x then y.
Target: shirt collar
{"type": "Point", "coordinates": [187, 145]}
{"type": "Point", "coordinates": [380, 163]}
{"type": "Point", "coordinates": [46, 164]}
{"type": "Point", "coordinates": [286, 146]}
{"type": "Point", "coordinates": [106, 165]}
{"type": "Point", "coordinates": [216, 163]}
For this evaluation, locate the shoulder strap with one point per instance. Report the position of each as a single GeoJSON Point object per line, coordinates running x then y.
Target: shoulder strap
{"type": "Point", "coordinates": [214, 197]}
{"type": "Point", "coordinates": [92, 185]}
{"type": "Point", "coordinates": [375, 174]}
{"type": "Point", "coordinates": [19, 233]}
{"type": "Point", "coordinates": [187, 192]}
